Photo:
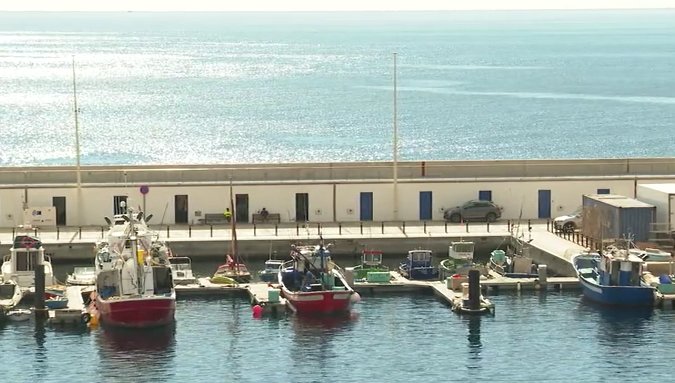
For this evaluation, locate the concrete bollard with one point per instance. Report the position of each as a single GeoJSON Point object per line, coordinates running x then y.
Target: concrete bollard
{"type": "Point", "coordinates": [542, 272]}
{"type": "Point", "coordinates": [474, 289]}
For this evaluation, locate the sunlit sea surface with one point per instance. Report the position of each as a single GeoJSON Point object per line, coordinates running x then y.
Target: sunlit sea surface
{"type": "Point", "coordinates": [296, 87]}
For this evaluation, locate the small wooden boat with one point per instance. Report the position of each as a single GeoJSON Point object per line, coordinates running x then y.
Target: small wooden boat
{"type": "Point", "coordinates": [19, 315]}
{"type": "Point", "coordinates": [613, 277]}
{"type": "Point", "coordinates": [313, 284]}
{"type": "Point", "coordinates": [418, 265]}
{"type": "Point", "coordinates": [56, 303]}
{"type": "Point", "coordinates": [459, 261]}
{"type": "Point", "coordinates": [271, 271]}
{"type": "Point", "coordinates": [10, 294]}
{"type": "Point", "coordinates": [371, 268]}
{"type": "Point", "coordinates": [82, 276]}
{"type": "Point", "coordinates": [181, 270]}
{"type": "Point", "coordinates": [233, 268]}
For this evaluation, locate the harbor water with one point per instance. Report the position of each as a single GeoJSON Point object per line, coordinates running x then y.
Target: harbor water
{"type": "Point", "coordinates": [318, 87]}
{"type": "Point", "coordinates": [389, 337]}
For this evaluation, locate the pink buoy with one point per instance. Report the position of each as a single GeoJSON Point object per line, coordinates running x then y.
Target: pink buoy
{"type": "Point", "coordinates": [355, 298]}
{"type": "Point", "coordinates": [257, 311]}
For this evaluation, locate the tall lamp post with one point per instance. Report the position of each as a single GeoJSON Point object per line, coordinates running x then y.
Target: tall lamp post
{"type": "Point", "coordinates": [77, 150]}
{"type": "Point", "coordinates": [395, 167]}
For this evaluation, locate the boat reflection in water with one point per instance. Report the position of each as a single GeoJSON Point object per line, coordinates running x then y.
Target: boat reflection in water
{"type": "Point", "coordinates": [318, 343]}
{"type": "Point", "coordinates": [136, 354]}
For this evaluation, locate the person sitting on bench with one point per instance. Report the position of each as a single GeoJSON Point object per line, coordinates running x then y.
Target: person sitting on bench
{"type": "Point", "coordinates": [264, 214]}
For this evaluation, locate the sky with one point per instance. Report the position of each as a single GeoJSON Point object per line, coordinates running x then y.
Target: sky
{"type": "Point", "coordinates": [322, 5]}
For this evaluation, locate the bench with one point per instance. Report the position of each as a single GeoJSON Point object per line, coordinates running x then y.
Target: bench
{"type": "Point", "coordinates": [271, 218]}
{"type": "Point", "coordinates": [213, 219]}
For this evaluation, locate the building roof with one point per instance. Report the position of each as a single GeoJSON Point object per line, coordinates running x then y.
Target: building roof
{"type": "Point", "coordinates": [665, 188]}
{"type": "Point", "coordinates": [617, 200]}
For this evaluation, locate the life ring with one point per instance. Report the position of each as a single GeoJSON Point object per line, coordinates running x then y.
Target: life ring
{"type": "Point", "coordinates": [85, 318]}
{"type": "Point", "coordinates": [27, 242]}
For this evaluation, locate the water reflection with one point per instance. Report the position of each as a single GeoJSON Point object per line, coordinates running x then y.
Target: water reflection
{"type": "Point", "coordinates": [136, 354]}
{"type": "Point", "coordinates": [622, 326]}
{"type": "Point", "coordinates": [473, 323]}
{"type": "Point", "coordinates": [314, 344]}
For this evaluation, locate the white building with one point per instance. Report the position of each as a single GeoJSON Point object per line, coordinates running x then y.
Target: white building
{"type": "Point", "coordinates": [322, 192]}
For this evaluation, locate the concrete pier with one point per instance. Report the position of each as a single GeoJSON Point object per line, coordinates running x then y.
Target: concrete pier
{"type": "Point", "coordinates": [70, 244]}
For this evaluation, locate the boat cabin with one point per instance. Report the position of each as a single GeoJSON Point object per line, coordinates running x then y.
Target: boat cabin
{"type": "Point", "coordinates": [461, 250]}
{"type": "Point", "coordinates": [420, 258]}
{"type": "Point", "coordinates": [371, 257]}
{"type": "Point", "coordinates": [619, 268]}
{"type": "Point", "coordinates": [652, 255]}
{"type": "Point", "coordinates": [26, 253]}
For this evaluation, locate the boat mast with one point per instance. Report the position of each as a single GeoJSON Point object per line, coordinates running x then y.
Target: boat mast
{"type": "Point", "coordinates": [133, 238]}
{"type": "Point", "coordinates": [233, 224]}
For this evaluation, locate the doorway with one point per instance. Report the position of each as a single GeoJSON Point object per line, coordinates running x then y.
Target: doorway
{"type": "Point", "coordinates": [544, 204]}
{"type": "Point", "coordinates": [366, 206]}
{"type": "Point", "coordinates": [301, 207]}
{"type": "Point", "coordinates": [241, 208]}
{"type": "Point", "coordinates": [59, 204]}
{"type": "Point", "coordinates": [181, 208]}
{"type": "Point", "coordinates": [425, 206]}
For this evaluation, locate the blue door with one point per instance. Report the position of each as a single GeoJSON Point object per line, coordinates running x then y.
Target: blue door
{"type": "Point", "coordinates": [425, 206]}
{"type": "Point", "coordinates": [544, 204]}
{"type": "Point", "coordinates": [366, 206]}
{"type": "Point", "coordinates": [485, 195]}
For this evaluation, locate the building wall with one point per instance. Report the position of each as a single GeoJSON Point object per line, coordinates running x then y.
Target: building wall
{"type": "Point", "coordinates": [328, 201]}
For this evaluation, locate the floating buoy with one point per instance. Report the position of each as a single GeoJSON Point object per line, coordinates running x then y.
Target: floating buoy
{"type": "Point", "coordinates": [257, 311]}
{"type": "Point", "coordinates": [355, 298]}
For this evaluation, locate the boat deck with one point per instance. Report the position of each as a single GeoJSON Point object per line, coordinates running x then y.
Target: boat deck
{"type": "Point", "coordinates": [72, 315]}
{"type": "Point", "coordinates": [260, 295]}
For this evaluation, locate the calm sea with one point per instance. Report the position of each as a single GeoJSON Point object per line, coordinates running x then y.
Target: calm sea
{"type": "Point", "coordinates": [389, 338]}
{"type": "Point", "coordinates": [262, 88]}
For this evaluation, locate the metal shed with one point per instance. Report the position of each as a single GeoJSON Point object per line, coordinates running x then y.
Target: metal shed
{"type": "Point", "coordinates": [610, 216]}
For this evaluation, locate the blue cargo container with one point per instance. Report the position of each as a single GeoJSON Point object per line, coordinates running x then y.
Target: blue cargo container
{"type": "Point", "coordinates": [610, 216]}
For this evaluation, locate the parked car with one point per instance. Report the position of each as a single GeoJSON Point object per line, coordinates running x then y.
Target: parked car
{"type": "Point", "coordinates": [568, 223]}
{"type": "Point", "coordinates": [474, 210]}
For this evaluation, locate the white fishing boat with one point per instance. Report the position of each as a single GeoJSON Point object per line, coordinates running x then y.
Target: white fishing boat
{"type": "Point", "coordinates": [19, 315]}
{"type": "Point", "coordinates": [181, 270]}
{"type": "Point", "coordinates": [133, 278]}
{"type": "Point", "coordinates": [10, 294]}
{"type": "Point", "coordinates": [26, 252]}
{"type": "Point", "coordinates": [82, 276]}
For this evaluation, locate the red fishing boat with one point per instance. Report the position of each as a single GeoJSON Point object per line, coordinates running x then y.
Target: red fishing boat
{"type": "Point", "coordinates": [133, 276]}
{"type": "Point", "coordinates": [313, 284]}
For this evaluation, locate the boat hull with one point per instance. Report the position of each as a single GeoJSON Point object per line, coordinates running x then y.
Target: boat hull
{"type": "Point", "coordinates": [419, 273]}
{"type": "Point", "coordinates": [139, 312]}
{"type": "Point", "coordinates": [319, 302]}
{"type": "Point", "coordinates": [268, 276]}
{"type": "Point", "coordinates": [617, 295]}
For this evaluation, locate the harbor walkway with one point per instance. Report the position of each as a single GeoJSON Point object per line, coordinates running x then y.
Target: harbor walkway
{"type": "Point", "coordinates": [69, 243]}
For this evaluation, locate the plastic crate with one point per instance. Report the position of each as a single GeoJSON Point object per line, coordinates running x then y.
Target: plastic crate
{"type": "Point", "coordinates": [378, 276]}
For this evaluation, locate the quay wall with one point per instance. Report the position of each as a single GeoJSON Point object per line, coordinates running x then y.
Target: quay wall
{"type": "Point", "coordinates": [333, 192]}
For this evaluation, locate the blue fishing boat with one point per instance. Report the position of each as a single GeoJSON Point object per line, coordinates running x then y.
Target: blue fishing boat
{"type": "Point", "coordinates": [418, 265]}
{"type": "Point", "coordinates": [613, 277]}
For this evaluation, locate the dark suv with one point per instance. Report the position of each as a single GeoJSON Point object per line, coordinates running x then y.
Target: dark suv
{"type": "Point", "coordinates": [474, 210]}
